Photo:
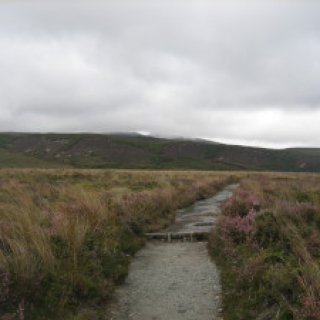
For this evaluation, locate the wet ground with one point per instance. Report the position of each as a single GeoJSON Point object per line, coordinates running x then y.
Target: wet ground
{"type": "Point", "coordinates": [200, 216]}
{"type": "Point", "coordinates": [177, 280]}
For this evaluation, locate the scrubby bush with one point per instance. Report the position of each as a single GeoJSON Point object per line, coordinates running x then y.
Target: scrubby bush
{"type": "Point", "coordinates": [269, 256]}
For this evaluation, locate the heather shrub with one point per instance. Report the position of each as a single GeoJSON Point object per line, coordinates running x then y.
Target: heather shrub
{"type": "Point", "coordinates": [241, 203]}
{"type": "Point", "coordinates": [269, 254]}
{"type": "Point", "coordinates": [268, 233]}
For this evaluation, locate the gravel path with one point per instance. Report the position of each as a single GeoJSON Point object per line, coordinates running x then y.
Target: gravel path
{"type": "Point", "coordinates": [173, 281]}
{"type": "Point", "coordinates": [201, 215]}
{"type": "Point", "coordinates": [169, 281]}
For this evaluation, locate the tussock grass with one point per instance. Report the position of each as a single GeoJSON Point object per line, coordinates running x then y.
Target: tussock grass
{"type": "Point", "coordinates": [67, 236]}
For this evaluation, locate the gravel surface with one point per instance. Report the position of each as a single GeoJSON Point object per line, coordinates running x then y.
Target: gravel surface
{"type": "Point", "coordinates": [177, 280]}
{"type": "Point", "coordinates": [169, 281]}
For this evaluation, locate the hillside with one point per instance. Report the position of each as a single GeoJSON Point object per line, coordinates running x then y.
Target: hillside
{"type": "Point", "coordinates": [136, 151]}
{"type": "Point", "coordinates": [10, 159]}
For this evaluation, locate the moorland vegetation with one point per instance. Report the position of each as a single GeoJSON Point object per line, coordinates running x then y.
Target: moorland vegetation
{"type": "Point", "coordinates": [267, 245]}
{"type": "Point", "coordinates": [34, 150]}
{"type": "Point", "coordinates": [67, 236]}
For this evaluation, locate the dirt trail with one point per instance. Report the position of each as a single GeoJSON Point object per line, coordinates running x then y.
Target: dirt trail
{"type": "Point", "coordinates": [174, 281]}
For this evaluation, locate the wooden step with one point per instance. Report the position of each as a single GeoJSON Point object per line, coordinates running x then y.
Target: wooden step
{"type": "Point", "coordinates": [182, 236]}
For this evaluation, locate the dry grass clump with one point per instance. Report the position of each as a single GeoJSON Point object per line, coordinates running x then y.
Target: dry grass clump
{"type": "Point", "coordinates": [67, 236]}
{"type": "Point", "coordinates": [268, 246]}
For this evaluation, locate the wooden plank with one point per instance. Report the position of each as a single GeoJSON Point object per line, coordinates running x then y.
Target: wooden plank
{"type": "Point", "coordinates": [185, 236]}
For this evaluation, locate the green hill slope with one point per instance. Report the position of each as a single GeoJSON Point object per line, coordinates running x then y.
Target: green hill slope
{"type": "Point", "coordinates": [135, 151]}
{"type": "Point", "coordinates": [17, 160]}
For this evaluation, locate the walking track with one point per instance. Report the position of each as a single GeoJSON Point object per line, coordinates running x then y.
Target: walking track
{"type": "Point", "coordinates": [174, 280]}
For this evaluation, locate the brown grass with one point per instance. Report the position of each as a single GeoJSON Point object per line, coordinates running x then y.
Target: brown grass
{"type": "Point", "coordinates": [66, 236]}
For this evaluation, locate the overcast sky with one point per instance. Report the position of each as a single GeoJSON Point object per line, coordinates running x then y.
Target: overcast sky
{"type": "Point", "coordinates": [244, 72]}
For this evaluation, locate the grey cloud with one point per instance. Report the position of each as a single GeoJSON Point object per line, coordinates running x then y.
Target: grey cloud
{"type": "Point", "coordinates": [244, 71]}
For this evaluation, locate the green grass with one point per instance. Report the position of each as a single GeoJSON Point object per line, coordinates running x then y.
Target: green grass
{"type": "Point", "coordinates": [86, 150]}
{"type": "Point", "coordinates": [10, 159]}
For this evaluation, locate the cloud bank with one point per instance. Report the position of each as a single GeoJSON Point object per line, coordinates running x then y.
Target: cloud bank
{"type": "Point", "coordinates": [243, 72]}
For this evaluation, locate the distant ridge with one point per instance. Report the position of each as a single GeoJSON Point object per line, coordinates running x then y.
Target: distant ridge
{"type": "Point", "coordinates": [133, 150]}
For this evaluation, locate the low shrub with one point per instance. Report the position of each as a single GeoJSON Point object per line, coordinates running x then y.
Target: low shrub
{"type": "Point", "coordinates": [269, 253]}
